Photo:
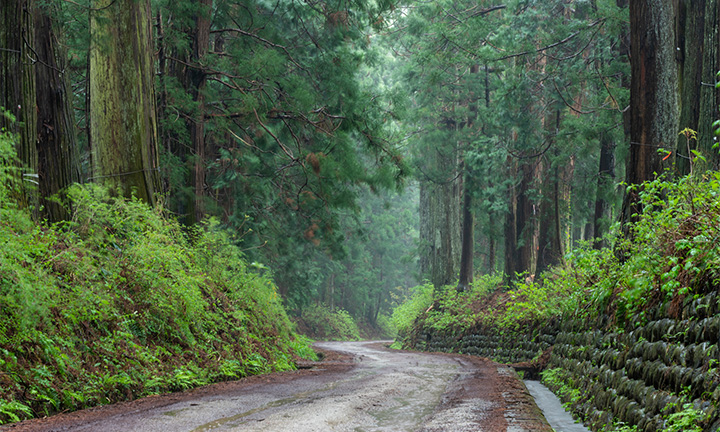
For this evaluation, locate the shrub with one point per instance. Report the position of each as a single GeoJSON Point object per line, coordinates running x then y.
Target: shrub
{"type": "Point", "coordinates": [404, 316]}
{"type": "Point", "coordinates": [328, 324]}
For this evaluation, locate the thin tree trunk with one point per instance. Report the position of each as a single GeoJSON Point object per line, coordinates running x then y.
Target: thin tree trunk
{"type": "Point", "coordinates": [468, 241]}
{"type": "Point", "coordinates": [550, 238]}
{"type": "Point", "coordinates": [512, 265]}
{"type": "Point", "coordinates": [606, 180]}
{"type": "Point", "coordinates": [198, 81]}
{"type": "Point", "coordinates": [524, 221]}
{"type": "Point", "coordinates": [467, 238]}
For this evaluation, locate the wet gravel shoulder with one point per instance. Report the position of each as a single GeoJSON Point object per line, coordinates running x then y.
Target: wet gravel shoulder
{"type": "Point", "coordinates": [331, 365]}
{"type": "Point", "coordinates": [494, 394]}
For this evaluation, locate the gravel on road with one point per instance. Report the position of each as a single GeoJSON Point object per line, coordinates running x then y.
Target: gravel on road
{"type": "Point", "coordinates": [358, 387]}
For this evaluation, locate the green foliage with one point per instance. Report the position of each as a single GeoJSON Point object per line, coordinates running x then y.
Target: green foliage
{"type": "Point", "coordinates": [7, 157]}
{"type": "Point", "coordinates": [386, 326]}
{"type": "Point", "coordinates": [378, 257]}
{"type": "Point", "coordinates": [457, 311]}
{"type": "Point", "coordinates": [562, 385]}
{"type": "Point", "coordinates": [685, 419]}
{"type": "Point", "coordinates": [410, 308]}
{"type": "Point", "coordinates": [674, 250]}
{"type": "Point", "coordinates": [622, 427]}
{"type": "Point", "coordinates": [537, 84]}
{"type": "Point", "coordinates": [329, 324]}
{"type": "Point", "coordinates": [674, 254]}
{"type": "Point", "coordinates": [14, 410]}
{"type": "Point", "coordinates": [122, 302]}
{"type": "Point", "coordinates": [443, 309]}
{"type": "Point", "coordinates": [300, 136]}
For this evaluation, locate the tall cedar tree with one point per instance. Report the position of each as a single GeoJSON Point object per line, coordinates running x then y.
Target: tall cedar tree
{"type": "Point", "coordinates": [653, 100]}
{"type": "Point", "coordinates": [57, 149]}
{"type": "Point", "coordinates": [123, 130]}
{"type": "Point", "coordinates": [17, 82]}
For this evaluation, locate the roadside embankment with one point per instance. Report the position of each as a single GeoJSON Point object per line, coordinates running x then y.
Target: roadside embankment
{"type": "Point", "coordinates": [627, 336]}
{"type": "Point", "coordinates": [640, 376]}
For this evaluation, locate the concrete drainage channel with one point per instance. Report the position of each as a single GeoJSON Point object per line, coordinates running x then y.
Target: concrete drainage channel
{"type": "Point", "coordinates": [560, 420]}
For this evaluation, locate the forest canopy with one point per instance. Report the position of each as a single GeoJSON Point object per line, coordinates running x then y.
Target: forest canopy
{"type": "Point", "coordinates": [354, 149]}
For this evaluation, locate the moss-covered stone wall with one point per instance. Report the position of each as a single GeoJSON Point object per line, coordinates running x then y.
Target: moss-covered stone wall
{"type": "Point", "coordinates": [636, 374]}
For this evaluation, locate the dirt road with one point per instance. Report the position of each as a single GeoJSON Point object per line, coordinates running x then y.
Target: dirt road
{"type": "Point", "coordinates": [361, 386]}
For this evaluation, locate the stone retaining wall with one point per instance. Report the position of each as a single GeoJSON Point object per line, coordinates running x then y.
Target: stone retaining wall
{"type": "Point", "coordinates": [632, 376]}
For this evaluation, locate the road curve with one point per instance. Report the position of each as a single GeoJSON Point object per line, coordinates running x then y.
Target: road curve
{"type": "Point", "coordinates": [380, 390]}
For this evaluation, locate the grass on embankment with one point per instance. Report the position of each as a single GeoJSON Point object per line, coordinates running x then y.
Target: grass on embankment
{"type": "Point", "coordinates": [120, 302]}
{"type": "Point", "coordinates": [671, 258]}
{"type": "Point", "coordinates": [674, 254]}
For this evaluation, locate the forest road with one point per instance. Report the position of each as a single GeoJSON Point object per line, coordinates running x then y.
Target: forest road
{"type": "Point", "coordinates": [359, 387]}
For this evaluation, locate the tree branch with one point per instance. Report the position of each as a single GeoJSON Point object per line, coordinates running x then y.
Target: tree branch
{"type": "Point", "coordinates": [547, 47]}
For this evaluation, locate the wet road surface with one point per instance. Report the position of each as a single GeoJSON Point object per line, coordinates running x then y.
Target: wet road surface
{"type": "Point", "coordinates": [379, 390]}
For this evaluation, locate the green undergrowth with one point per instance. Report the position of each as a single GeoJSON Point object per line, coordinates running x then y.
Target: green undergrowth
{"type": "Point", "coordinates": [121, 302]}
{"type": "Point", "coordinates": [671, 255]}
{"type": "Point", "coordinates": [320, 322]}
{"type": "Point", "coordinates": [324, 323]}
{"type": "Point", "coordinates": [668, 258]}
{"type": "Point", "coordinates": [487, 303]}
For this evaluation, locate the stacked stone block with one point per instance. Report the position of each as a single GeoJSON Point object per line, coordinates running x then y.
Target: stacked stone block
{"type": "Point", "coordinates": [634, 375]}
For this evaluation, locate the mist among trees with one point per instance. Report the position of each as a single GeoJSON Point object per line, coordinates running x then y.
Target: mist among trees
{"type": "Point", "coordinates": [355, 149]}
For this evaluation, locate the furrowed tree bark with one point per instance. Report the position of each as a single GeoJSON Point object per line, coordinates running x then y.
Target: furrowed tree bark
{"type": "Point", "coordinates": [123, 125]}
{"type": "Point", "coordinates": [197, 80]}
{"type": "Point", "coordinates": [653, 94]}
{"type": "Point", "coordinates": [17, 85]}
{"type": "Point", "coordinates": [697, 42]}
{"type": "Point", "coordinates": [58, 155]}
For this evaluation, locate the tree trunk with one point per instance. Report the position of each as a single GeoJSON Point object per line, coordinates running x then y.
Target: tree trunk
{"type": "Point", "coordinates": [467, 252]}
{"type": "Point", "coordinates": [123, 129]}
{"type": "Point", "coordinates": [550, 239]}
{"type": "Point", "coordinates": [17, 84]}
{"type": "Point", "coordinates": [440, 229]}
{"type": "Point", "coordinates": [197, 80]}
{"type": "Point", "coordinates": [549, 248]}
{"type": "Point", "coordinates": [58, 156]}
{"type": "Point", "coordinates": [697, 42]}
{"type": "Point", "coordinates": [468, 240]}
{"type": "Point", "coordinates": [524, 221]}
{"type": "Point", "coordinates": [606, 180]}
{"type": "Point", "coordinates": [519, 222]}
{"type": "Point", "coordinates": [510, 228]}
{"type": "Point", "coordinates": [653, 94]}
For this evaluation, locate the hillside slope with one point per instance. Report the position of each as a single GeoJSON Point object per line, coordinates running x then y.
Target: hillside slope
{"type": "Point", "coordinates": [121, 302]}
